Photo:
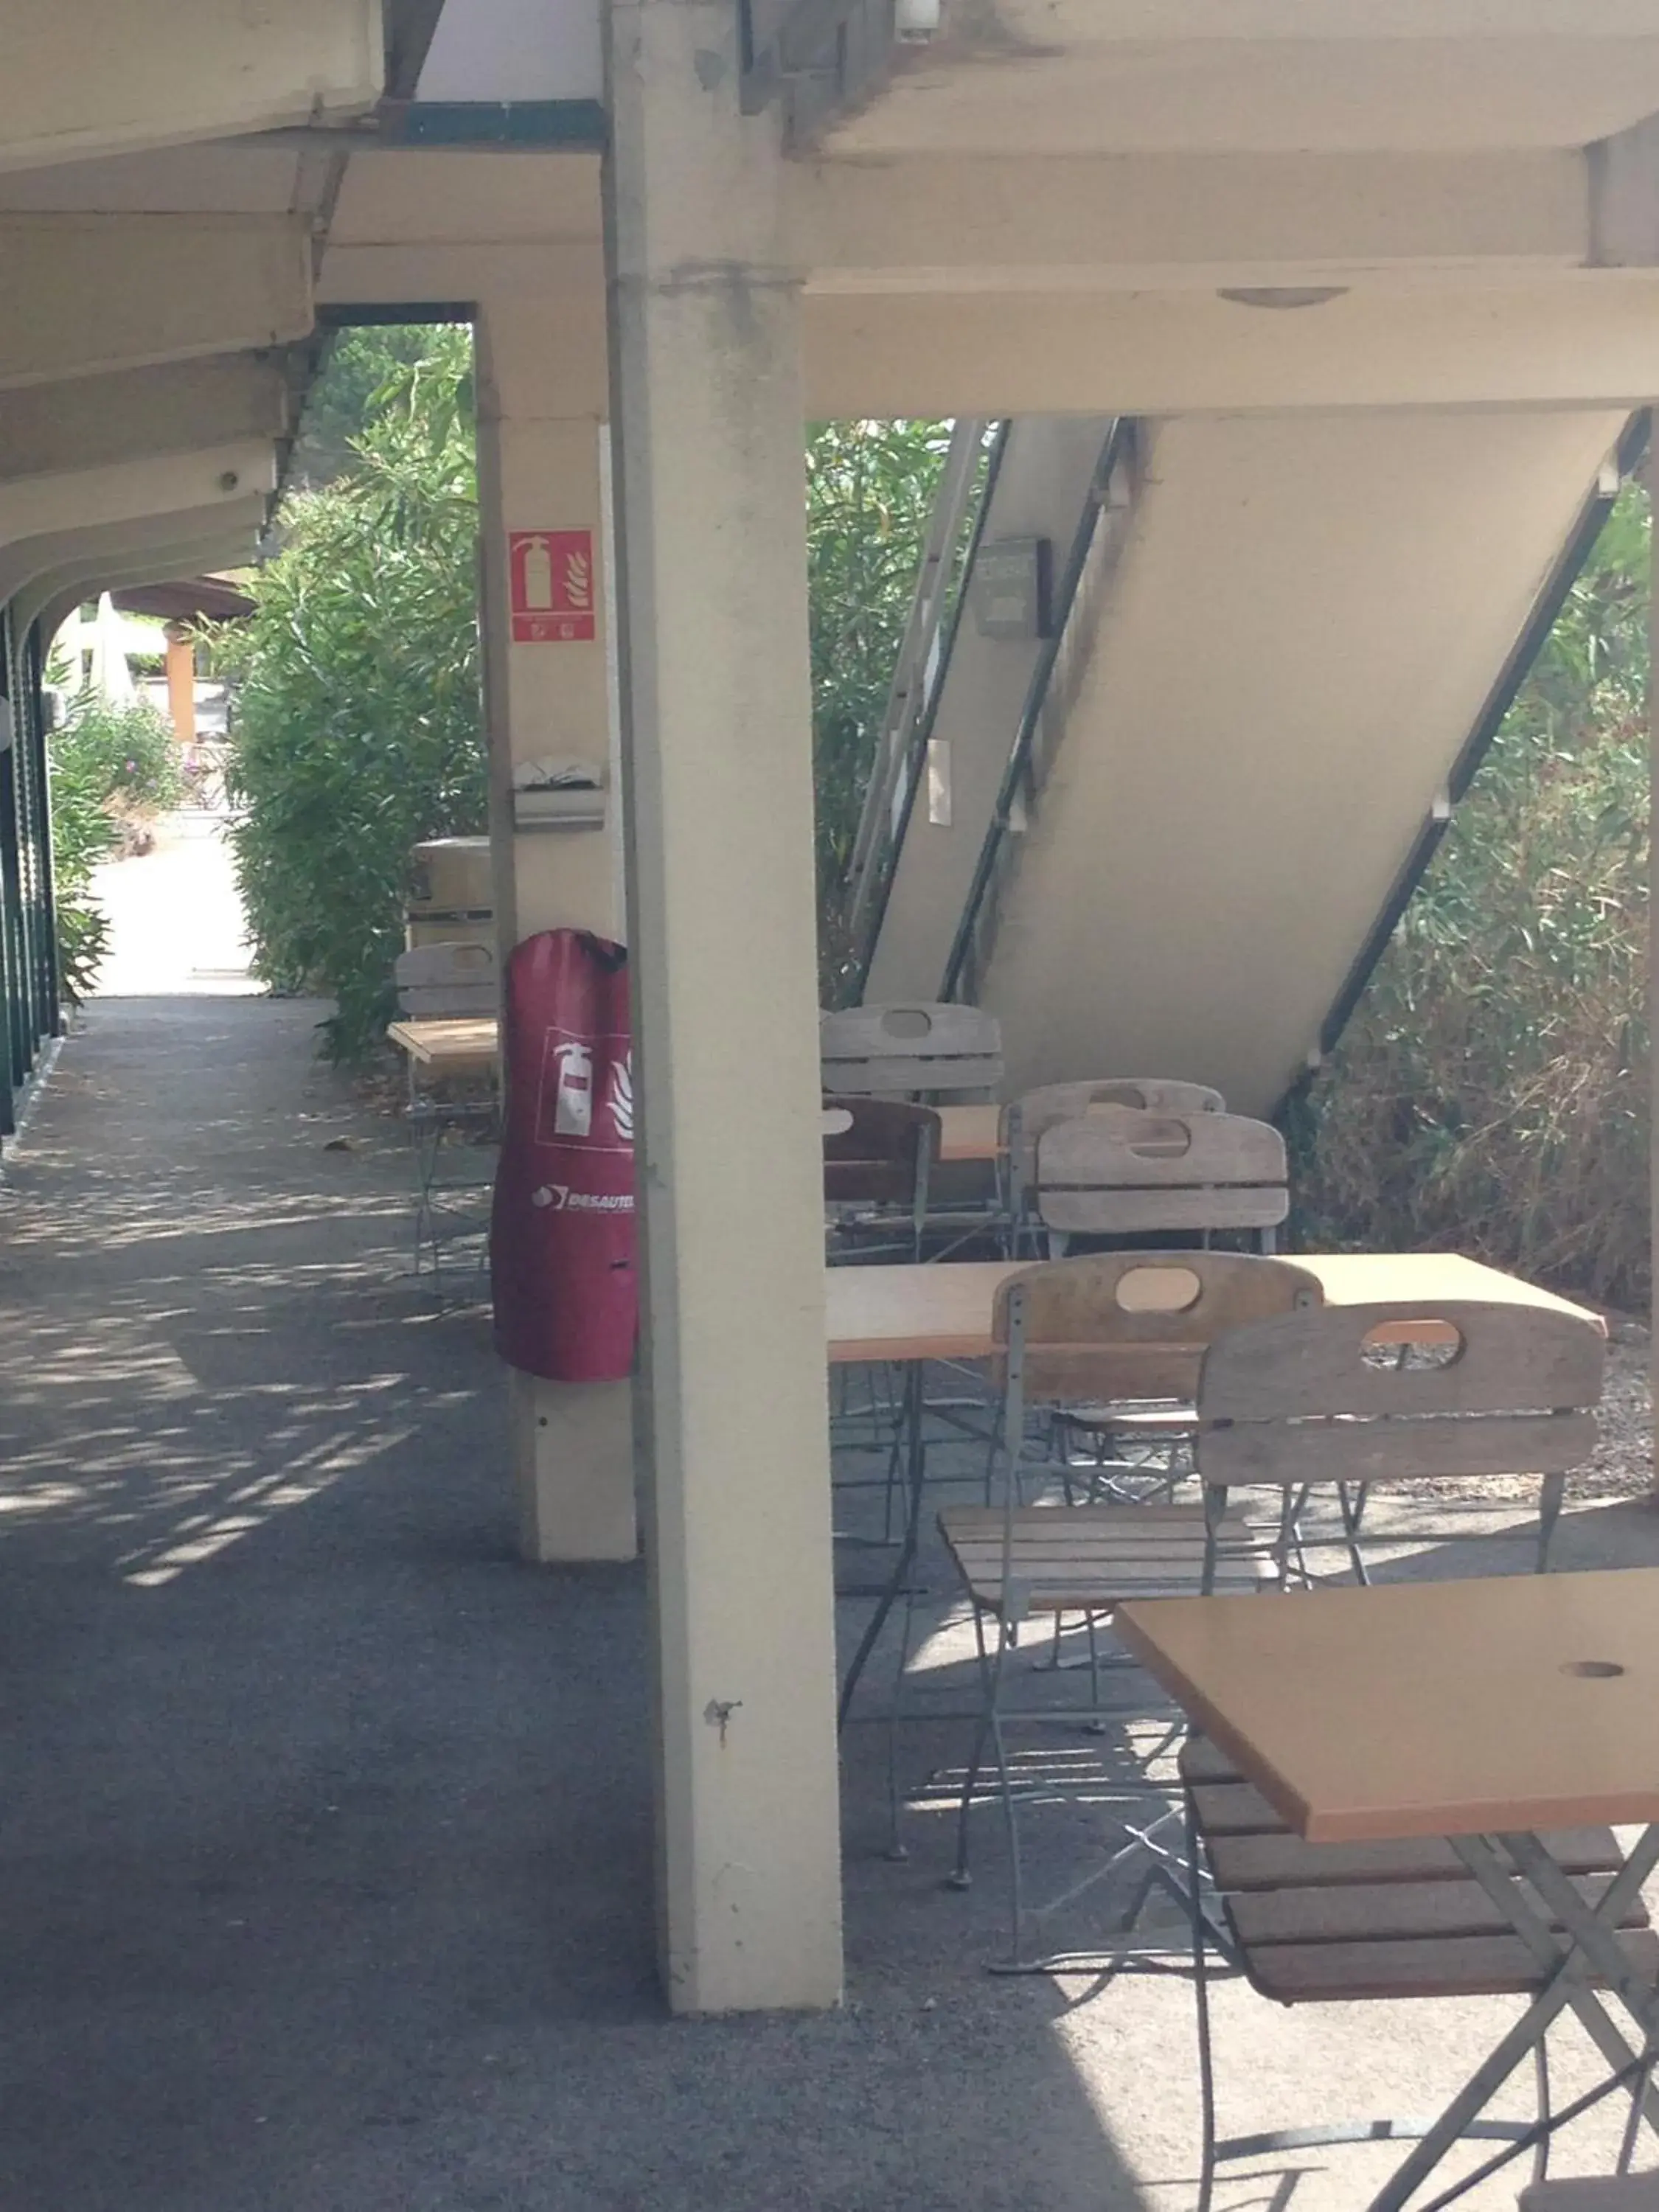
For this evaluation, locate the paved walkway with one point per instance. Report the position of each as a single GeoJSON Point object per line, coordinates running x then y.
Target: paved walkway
{"type": "Point", "coordinates": [175, 919]}
{"type": "Point", "coordinates": [325, 1868]}
{"type": "Point", "coordinates": [325, 1862]}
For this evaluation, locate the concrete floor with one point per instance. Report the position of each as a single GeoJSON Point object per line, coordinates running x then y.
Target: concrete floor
{"type": "Point", "coordinates": [324, 1869]}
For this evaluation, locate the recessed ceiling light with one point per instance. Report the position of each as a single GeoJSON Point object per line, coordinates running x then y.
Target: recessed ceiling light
{"type": "Point", "coordinates": [1282, 295]}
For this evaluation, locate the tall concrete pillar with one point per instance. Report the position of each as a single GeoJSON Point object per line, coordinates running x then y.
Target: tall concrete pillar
{"type": "Point", "coordinates": [708, 406]}
{"type": "Point", "coordinates": [181, 683]}
{"type": "Point", "coordinates": [1653, 898]}
{"type": "Point", "coordinates": [541, 463]}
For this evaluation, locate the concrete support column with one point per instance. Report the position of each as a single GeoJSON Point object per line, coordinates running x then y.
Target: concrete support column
{"type": "Point", "coordinates": [1653, 898]}
{"type": "Point", "coordinates": [181, 683]}
{"type": "Point", "coordinates": [707, 399]}
{"type": "Point", "coordinates": [540, 468]}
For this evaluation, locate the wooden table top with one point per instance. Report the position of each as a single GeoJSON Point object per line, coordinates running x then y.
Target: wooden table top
{"type": "Point", "coordinates": [969, 1132]}
{"type": "Point", "coordinates": [1515, 1701]}
{"type": "Point", "coordinates": [943, 1311]}
{"type": "Point", "coordinates": [448, 1044]}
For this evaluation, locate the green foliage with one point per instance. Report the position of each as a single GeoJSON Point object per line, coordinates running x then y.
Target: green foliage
{"type": "Point", "coordinates": [104, 763]}
{"type": "Point", "coordinates": [130, 752]}
{"type": "Point", "coordinates": [356, 731]}
{"type": "Point", "coordinates": [1491, 1091]}
{"type": "Point", "coordinates": [346, 398]}
{"type": "Point", "coordinates": [83, 940]}
{"type": "Point", "coordinates": [870, 489]}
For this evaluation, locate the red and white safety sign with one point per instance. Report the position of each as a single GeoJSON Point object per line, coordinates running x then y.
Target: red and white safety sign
{"type": "Point", "coordinates": [552, 573]}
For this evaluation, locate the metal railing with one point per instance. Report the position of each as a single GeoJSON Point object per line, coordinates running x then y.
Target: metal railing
{"type": "Point", "coordinates": [1020, 779]}
{"type": "Point", "coordinates": [900, 763]}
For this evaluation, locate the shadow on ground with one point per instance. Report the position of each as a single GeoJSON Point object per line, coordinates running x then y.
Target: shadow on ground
{"type": "Point", "coordinates": [325, 1865]}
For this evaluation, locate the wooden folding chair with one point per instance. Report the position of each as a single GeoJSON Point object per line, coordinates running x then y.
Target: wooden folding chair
{"type": "Point", "coordinates": [877, 1157]}
{"type": "Point", "coordinates": [1027, 1118]}
{"type": "Point", "coordinates": [445, 983]}
{"type": "Point", "coordinates": [1115, 1174]}
{"type": "Point", "coordinates": [1346, 1923]}
{"type": "Point", "coordinates": [1118, 1325]}
{"type": "Point", "coordinates": [877, 1153]}
{"type": "Point", "coordinates": [922, 1050]}
{"type": "Point", "coordinates": [1357, 1398]}
{"type": "Point", "coordinates": [1324, 1397]}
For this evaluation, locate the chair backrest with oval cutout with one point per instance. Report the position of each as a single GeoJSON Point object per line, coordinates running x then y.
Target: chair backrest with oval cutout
{"type": "Point", "coordinates": [892, 1052]}
{"type": "Point", "coordinates": [1116, 1172]}
{"type": "Point", "coordinates": [440, 982]}
{"type": "Point", "coordinates": [875, 1150]}
{"type": "Point", "coordinates": [1381, 1393]}
{"type": "Point", "coordinates": [1135, 1324]}
{"type": "Point", "coordinates": [1034, 1112]}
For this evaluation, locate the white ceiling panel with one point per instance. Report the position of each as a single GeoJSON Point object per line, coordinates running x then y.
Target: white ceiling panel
{"type": "Point", "coordinates": [515, 50]}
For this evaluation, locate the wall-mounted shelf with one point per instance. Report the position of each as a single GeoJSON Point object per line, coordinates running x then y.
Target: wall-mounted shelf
{"type": "Point", "coordinates": [560, 806]}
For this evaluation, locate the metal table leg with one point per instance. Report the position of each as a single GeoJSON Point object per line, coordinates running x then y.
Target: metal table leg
{"type": "Point", "coordinates": [914, 1472]}
{"type": "Point", "coordinates": [1586, 1943]}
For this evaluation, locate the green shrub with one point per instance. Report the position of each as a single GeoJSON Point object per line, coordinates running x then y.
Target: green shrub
{"type": "Point", "coordinates": [870, 491]}
{"type": "Point", "coordinates": [356, 727]}
{"type": "Point", "coordinates": [104, 764]}
{"type": "Point", "coordinates": [1491, 1091]}
{"type": "Point", "coordinates": [128, 752]}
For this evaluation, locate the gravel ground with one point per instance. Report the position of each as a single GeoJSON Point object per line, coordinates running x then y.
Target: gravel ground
{"type": "Point", "coordinates": [1623, 1465]}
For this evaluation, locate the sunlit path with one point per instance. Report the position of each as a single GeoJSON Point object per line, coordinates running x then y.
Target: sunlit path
{"type": "Point", "coordinates": [175, 917]}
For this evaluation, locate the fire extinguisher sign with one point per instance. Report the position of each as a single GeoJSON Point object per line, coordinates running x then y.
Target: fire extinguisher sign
{"type": "Point", "coordinates": [552, 573]}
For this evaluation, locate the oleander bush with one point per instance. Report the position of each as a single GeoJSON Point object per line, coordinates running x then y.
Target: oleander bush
{"type": "Point", "coordinates": [129, 753]}
{"type": "Point", "coordinates": [109, 769]}
{"type": "Point", "coordinates": [356, 729]}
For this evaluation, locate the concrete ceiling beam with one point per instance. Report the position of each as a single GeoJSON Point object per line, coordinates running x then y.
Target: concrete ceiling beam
{"type": "Point", "coordinates": [1587, 341]}
{"type": "Point", "coordinates": [85, 78]}
{"type": "Point", "coordinates": [129, 491]}
{"type": "Point", "coordinates": [955, 222]}
{"type": "Point", "coordinates": [51, 598]}
{"type": "Point", "coordinates": [240, 515]}
{"type": "Point", "coordinates": [1176, 22]}
{"type": "Point", "coordinates": [92, 293]}
{"type": "Point", "coordinates": [951, 222]}
{"type": "Point", "coordinates": [95, 422]}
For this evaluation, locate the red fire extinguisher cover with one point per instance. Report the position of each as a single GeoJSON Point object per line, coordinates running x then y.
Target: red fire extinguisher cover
{"type": "Point", "coordinates": [561, 1240]}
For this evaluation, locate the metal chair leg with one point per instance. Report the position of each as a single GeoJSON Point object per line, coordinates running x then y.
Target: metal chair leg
{"type": "Point", "coordinates": [1201, 2006]}
{"type": "Point", "coordinates": [958, 1879]}
{"type": "Point", "coordinates": [1540, 2075]}
{"type": "Point", "coordinates": [1352, 1509]}
{"type": "Point", "coordinates": [1638, 2095]}
{"type": "Point", "coordinates": [1551, 1499]}
{"type": "Point", "coordinates": [1011, 1822]}
{"type": "Point", "coordinates": [897, 1849]}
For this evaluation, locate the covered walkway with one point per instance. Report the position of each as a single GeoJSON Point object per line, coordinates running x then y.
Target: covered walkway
{"type": "Point", "coordinates": [325, 1848]}
{"type": "Point", "coordinates": [324, 1843]}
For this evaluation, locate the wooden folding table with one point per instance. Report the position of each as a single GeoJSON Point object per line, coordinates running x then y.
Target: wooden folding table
{"type": "Point", "coordinates": [944, 1311]}
{"type": "Point", "coordinates": [907, 1315]}
{"type": "Point", "coordinates": [1486, 1712]}
{"type": "Point", "coordinates": [452, 1047]}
